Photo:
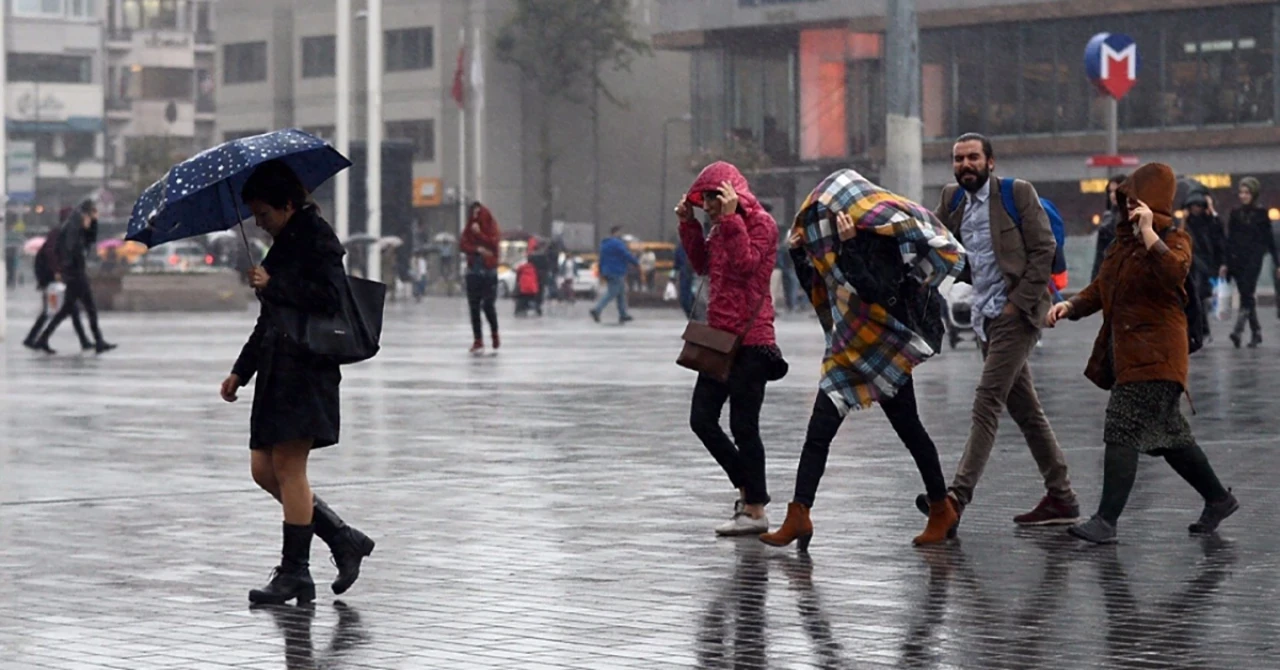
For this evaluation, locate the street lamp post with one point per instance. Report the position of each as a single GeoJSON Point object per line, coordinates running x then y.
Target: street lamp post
{"type": "Point", "coordinates": [666, 167]}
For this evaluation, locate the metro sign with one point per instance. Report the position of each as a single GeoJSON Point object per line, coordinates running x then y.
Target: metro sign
{"type": "Point", "coordinates": [1111, 61]}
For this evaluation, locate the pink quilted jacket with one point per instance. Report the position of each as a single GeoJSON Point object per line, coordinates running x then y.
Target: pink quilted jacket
{"type": "Point", "coordinates": [739, 255]}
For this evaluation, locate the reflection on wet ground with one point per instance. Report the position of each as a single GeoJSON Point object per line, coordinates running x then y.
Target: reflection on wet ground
{"type": "Point", "coordinates": [549, 508]}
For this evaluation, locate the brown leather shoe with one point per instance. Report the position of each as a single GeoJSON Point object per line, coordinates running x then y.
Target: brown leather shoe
{"type": "Point", "coordinates": [942, 521]}
{"type": "Point", "coordinates": [796, 528]}
{"type": "Point", "coordinates": [477, 347]}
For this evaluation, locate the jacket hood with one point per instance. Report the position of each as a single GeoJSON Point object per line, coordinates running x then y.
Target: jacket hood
{"type": "Point", "coordinates": [484, 217]}
{"type": "Point", "coordinates": [1155, 185]}
{"type": "Point", "coordinates": [710, 179]}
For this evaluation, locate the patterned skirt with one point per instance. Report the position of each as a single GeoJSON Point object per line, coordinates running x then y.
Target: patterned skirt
{"type": "Point", "coordinates": [1147, 416]}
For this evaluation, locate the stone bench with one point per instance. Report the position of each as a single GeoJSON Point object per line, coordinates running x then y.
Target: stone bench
{"type": "Point", "coordinates": [171, 292]}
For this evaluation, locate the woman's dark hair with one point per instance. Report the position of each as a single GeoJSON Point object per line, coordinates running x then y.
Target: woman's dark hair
{"type": "Point", "coordinates": [275, 184]}
{"type": "Point", "coordinates": [1117, 180]}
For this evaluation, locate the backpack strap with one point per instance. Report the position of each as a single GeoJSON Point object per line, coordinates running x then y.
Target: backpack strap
{"type": "Point", "coordinates": [1010, 204]}
{"type": "Point", "coordinates": [957, 196]}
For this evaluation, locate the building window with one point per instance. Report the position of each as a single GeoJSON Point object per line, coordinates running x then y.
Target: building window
{"type": "Point", "coordinates": [151, 14]}
{"type": "Point", "coordinates": [39, 8]}
{"type": "Point", "coordinates": [50, 68]}
{"type": "Point", "coordinates": [82, 9]}
{"type": "Point", "coordinates": [167, 83]}
{"type": "Point", "coordinates": [409, 49]}
{"type": "Point", "coordinates": [422, 132]}
{"type": "Point", "coordinates": [244, 63]}
{"type": "Point", "coordinates": [240, 134]}
{"type": "Point", "coordinates": [318, 56]}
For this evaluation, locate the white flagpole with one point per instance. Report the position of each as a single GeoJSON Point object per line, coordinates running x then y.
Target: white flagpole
{"type": "Point", "coordinates": [373, 144]}
{"type": "Point", "coordinates": [477, 88]}
{"type": "Point", "coordinates": [342, 122]}
{"type": "Point", "coordinates": [462, 147]}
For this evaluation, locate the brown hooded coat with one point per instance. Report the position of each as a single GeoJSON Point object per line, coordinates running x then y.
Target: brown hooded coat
{"type": "Point", "coordinates": [1140, 293]}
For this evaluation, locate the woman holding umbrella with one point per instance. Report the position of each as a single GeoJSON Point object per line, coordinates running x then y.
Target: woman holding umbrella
{"type": "Point", "coordinates": [295, 403]}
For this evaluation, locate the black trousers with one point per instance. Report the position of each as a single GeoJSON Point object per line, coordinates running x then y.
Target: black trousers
{"type": "Point", "coordinates": [41, 321]}
{"type": "Point", "coordinates": [482, 296]}
{"type": "Point", "coordinates": [903, 415]}
{"type": "Point", "coordinates": [741, 458]}
{"type": "Point", "coordinates": [78, 295]}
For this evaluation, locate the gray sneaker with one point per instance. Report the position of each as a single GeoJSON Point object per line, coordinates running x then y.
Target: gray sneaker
{"type": "Point", "coordinates": [742, 524]}
{"type": "Point", "coordinates": [1095, 530]}
{"type": "Point", "coordinates": [1214, 514]}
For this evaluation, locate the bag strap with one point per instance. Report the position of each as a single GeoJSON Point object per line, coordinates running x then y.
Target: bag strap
{"type": "Point", "coordinates": [1010, 203]}
{"type": "Point", "coordinates": [703, 290]}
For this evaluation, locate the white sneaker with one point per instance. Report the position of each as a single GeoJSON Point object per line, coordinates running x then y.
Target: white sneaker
{"type": "Point", "coordinates": [743, 524]}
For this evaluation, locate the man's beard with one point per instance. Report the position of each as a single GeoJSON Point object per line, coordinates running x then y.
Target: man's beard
{"type": "Point", "coordinates": [973, 186]}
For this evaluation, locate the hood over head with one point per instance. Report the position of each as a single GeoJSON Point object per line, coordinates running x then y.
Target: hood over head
{"type": "Point", "coordinates": [1155, 185]}
{"type": "Point", "coordinates": [1253, 185]}
{"type": "Point", "coordinates": [710, 179]}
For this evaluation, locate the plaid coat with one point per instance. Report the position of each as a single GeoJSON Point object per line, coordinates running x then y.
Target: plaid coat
{"type": "Point", "coordinates": [870, 354]}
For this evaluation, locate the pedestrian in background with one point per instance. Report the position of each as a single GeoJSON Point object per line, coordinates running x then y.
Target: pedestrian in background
{"type": "Point", "coordinates": [480, 244]}
{"type": "Point", "coordinates": [295, 397]}
{"type": "Point", "coordinates": [1249, 241]}
{"type": "Point", "coordinates": [684, 280]}
{"type": "Point", "coordinates": [1107, 224]}
{"type": "Point", "coordinates": [1208, 249]}
{"type": "Point", "coordinates": [847, 245]}
{"type": "Point", "coordinates": [1141, 355]}
{"type": "Point", "coordinates": [75, 238]}
{"type": "Point", "coordinates": [616, 260]}
{"type": "Point", "coordinates": [53, 293]}
{"type": "Point", "coordinates": [737, 258]}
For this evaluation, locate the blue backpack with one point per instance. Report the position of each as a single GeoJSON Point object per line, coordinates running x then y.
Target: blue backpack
{"type": "Point", "coordinates": [1055, 222]}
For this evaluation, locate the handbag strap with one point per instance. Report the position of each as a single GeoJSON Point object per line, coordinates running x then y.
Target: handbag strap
{"type": "Point", "coordinates": [754, 314]}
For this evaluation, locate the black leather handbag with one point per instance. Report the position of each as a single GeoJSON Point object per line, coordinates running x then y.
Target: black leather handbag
{"type": "Point", "coordinates": [350, 335]}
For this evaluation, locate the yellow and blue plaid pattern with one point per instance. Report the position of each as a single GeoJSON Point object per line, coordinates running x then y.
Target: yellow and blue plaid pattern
{"type": "Point", "coordinates": [870, 354]}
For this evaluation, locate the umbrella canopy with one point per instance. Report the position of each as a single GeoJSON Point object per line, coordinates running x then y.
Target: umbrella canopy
{"type": "Point", "coordinates": [360, 238]}
{"type": "Point", "coordinates": [32, 246]}
{"type": "Point", "coordinates": [110, 244]}
{"type": "Point", "coordinates": [202, 194]}
{"type": "Point", "coordinates": [130, 252]}
{"type": "Point", "coordinates": [444, 238]}
{"type": "Point", "coordinates": [390, 241]}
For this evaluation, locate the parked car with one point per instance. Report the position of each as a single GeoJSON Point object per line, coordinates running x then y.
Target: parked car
{"type": "Point", "coordinates": [182, 256]}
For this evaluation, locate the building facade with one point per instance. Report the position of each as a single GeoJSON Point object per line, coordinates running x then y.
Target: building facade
{"type": "Point", "coordinates": [53, 107]}
{"type": "Point", "coordinates": [160, 88]}
{"type": "Point", "coordinates": [277, 63]}
{"type": "Point", "coordinates": [798, 86]}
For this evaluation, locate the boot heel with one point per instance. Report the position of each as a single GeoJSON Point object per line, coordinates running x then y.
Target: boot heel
{"type": "Point", "coordinates": [306, 594]}
{"type": "Point", "coordinates": [802, 542]}
{"type": "Point", "coordinates": [366, 547]}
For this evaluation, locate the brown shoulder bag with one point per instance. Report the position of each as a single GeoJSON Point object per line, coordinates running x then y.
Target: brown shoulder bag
{"type": "Point", "coordinates": [712, 351]}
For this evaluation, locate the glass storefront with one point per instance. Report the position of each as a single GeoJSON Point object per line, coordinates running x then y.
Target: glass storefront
{"type": "Point", "coordinates": [747, 99]}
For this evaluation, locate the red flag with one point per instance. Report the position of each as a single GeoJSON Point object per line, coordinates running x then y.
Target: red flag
{"type": "Point", "coordinates": [459, 80]}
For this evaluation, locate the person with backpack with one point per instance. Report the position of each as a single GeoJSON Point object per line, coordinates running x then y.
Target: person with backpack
{"type": "Point", "coordinates": [296, 406]}
{"type": "Point", "coordinates": [1010, 248]}
{"type": "Point", "coordinates": [1249, 241]}
{"type": "Point", "coordinates": [1141, 355]}
{"type": "Point", "coordinates": [47, 273]}
{"type": "Point", "coordinates": [75, 238]}
{"type": "Point", "coordinates": [848, 246]}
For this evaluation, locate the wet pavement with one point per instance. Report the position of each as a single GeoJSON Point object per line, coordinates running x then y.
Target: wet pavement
{"type": "Point", "coordinates": [549, 508]}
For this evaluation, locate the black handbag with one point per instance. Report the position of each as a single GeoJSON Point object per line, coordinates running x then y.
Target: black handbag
{"type": "Point", "coordinates": [350, 335]}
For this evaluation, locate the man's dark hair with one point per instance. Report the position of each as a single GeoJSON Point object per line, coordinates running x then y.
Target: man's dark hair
{"type": "Point", "coordinates": [87, 207]}
{"type": "Point", "coordinates": [986, 143]}
{"type": "Point", "coordinates": [615, 230]}
{"type": "Point", "coordinates": [275, 184]}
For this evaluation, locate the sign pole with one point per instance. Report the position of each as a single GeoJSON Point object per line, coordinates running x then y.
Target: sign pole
{"type": "Point", "coordinates": [1113, 130]}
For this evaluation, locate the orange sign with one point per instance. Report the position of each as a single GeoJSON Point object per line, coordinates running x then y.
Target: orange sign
{"type": "Point", "coordinates": [427, 192]}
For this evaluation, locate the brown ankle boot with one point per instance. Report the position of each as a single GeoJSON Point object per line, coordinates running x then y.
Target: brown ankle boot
{"type": "Point", "coordinates": [797, 528]}
{"type": "Point", "coordinates": [942, 518]}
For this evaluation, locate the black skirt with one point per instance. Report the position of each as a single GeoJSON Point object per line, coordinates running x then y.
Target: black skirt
{"type": "Point", "coordinates": [295, 398]}
{"type": "Point", "coordinates": [1147, 416]}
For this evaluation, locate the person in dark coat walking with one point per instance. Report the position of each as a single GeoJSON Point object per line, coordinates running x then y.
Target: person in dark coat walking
{"type": "Point", "coordinates": [295, 399]}
{"type": "Point", "coordinates": [1208, 248]}
{"type": "Point", "coordinates": [74, 240]}
{"type": "Point", "coordinates": [1107, 226]}
{"type": "Point", "coordinates": [1141, 355]}
{"type": "Point", "coordinates": [47, 271]}
{"type": "Point", "coordinates": [481, 243]}
{"type": "Point", "coordinates": [1249, 240]}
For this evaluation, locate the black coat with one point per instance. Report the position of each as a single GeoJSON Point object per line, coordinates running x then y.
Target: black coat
{"type": "Point", "coordinates": [1208, 249]}
{"type": "Point", "coordinates": [1249, 240]}
{"type": "Point", "coordinates": [296, 394]}
{"type": "Point", "coordinates": [873, 264]}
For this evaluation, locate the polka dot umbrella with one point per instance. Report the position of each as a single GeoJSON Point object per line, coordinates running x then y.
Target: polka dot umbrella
{"type": "Point", "coordinates": [202, 194]}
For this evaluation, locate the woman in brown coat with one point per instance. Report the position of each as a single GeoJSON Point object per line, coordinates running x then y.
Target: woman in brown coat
{"type": "Point", "coordinates": [1141, 354]}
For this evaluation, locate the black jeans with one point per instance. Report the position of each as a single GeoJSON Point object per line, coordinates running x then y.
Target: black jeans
{"type": "Point", "coordinates": [78, 295]}
{"type": "Point", "coordinates": [482, 294]}
{"type": "Point", "coordinates": [905, 419]}
{"type": "Point", "coordinates": [741, 458]}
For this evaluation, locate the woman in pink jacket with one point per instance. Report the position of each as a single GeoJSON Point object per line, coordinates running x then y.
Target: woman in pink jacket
{"type": "Point", "coordinates": [737, 256]}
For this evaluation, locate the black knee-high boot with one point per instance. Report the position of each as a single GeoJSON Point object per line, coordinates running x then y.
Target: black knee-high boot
{"type": "Point", "coordinates": [348, 545]}
{"type": "Point", "coordinates": [292, 578]}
